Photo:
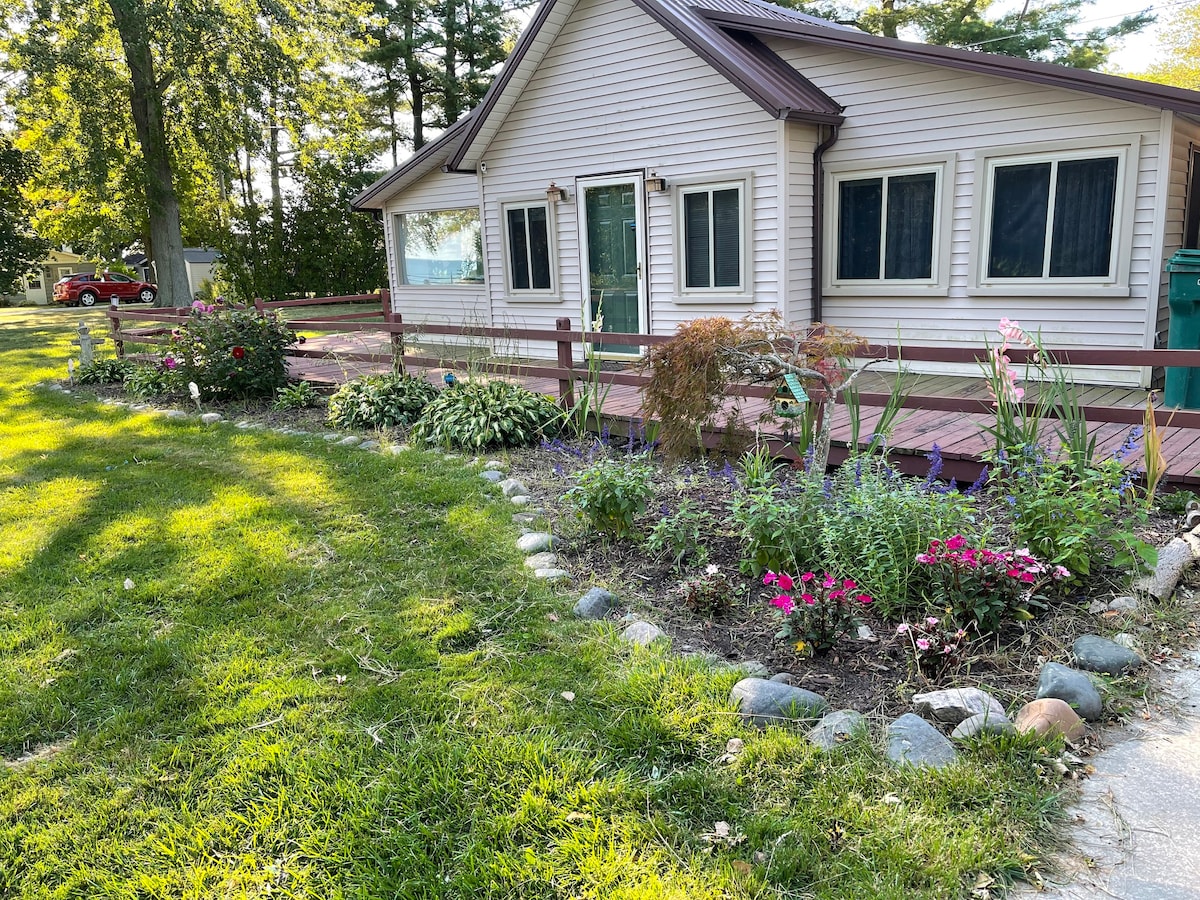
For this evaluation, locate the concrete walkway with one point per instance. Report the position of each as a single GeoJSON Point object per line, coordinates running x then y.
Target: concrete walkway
{"type": "Point", "coordinates": [1136, 831]}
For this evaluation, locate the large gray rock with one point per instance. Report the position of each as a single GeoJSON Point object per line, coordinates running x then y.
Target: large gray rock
{"type": "Point", "coordinates": [751, 668]}
{"type": "Point", "coordinates": [1096, 654]}
{"type": "Point", "coordinates": [770, 703]}
{"type": "Point", "coordinates": [913, 741]}
{"type": "Point", "coordinates": [350, 440]}
{"type": "Point", "coordinates": [551, 574]}
{"type": "Point", "coordinates": [953, 705]}
{"type": "Point", "coordinates": [643, 634]}
{"type": "Point", "coordinates": [492, 475]}
{"type": "Point", "coordinates": [211, 418]}
{"type": "Point", "coordinates": [1073, 687]}
{"type": "Point", "coordinates": [837, 728]}
{"type": "Point", "coordinates": [510, 487]}
{"type": "Point", "coordinates": [595, 604]}
{"type": "Point", "coordinates": [535, 542]}
{"type": "Point", "coordinates": [981, 724]}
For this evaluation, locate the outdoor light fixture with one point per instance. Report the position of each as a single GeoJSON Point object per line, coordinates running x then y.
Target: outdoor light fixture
{"type": "Point", "coordinates": [555, 194]}
{"type": "Point", "coordinates": [655, 185]}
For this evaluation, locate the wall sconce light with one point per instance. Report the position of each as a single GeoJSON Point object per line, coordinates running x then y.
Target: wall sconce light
{"type": "Point", "coordinates": [555, 194]}
{"type": "Point", "coordinates": [655, 184]}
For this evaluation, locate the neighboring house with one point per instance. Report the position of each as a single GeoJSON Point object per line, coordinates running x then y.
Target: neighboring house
{"type": "Point", "coordinates": [38, 285]}
{"type": "Point", "coordinates": [200, 263]}
{"type": "Point", "coordinates": [666, 159]}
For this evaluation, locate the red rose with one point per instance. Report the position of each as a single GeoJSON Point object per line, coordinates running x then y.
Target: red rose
{"type": "Point", "coordinates": [239, 352]}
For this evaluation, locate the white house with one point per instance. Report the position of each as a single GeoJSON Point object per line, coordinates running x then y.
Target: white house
{"type": "Point", "coordinates": [38, 286]}
{"type": "Point", "coordinates": [668, 159]}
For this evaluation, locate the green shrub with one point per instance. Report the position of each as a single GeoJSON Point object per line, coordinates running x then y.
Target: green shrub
{"type": "Point", "coordinates": [709, 594]}
{"type": "Point", "coordinates": [478, 415]}
{"type": "Point", "coordinates": [380, 401]}
{"type": "Point", "coordinates": [149, 380]}
{"type": "Point", "coordinates": [611, 493]}
{"type": "Point", "coordinates": [232, 353]}
{"type": "Point", "coordinates": [104, 371]}
{"type": "Point", "coordinates": [681, 534]}
{"type": "Point", "coordinates": [780, 529]}
{"type": "Point", "coordinates": [1069, 520]}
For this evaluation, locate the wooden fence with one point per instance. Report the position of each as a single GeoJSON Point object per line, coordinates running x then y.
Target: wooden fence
{"type": "Point", "coordinates": [127, 325]}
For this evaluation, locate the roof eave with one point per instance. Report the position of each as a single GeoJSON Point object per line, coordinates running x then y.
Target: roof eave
{"type": "Point", "coordinates": [367, 198]}
{"type": "Point", "coordinates": [1131, 90]}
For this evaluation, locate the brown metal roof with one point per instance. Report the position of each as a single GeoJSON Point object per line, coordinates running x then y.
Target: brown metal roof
{"type": "Point", "coordinates": [1130, 89]}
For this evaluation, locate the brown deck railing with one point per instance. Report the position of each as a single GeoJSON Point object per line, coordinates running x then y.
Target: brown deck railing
{"type": "Point", "coordinates": [567, 373]}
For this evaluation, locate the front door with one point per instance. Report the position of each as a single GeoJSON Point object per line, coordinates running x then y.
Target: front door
{"type": "Point", "coordinates": [611, 244]}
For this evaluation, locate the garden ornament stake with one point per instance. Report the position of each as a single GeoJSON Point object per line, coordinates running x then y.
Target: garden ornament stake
{"type": "Point", "coordinates": [87, 345]}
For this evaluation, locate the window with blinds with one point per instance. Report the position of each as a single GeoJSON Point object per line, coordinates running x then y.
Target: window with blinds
{"type": "Point", "coordinates": [527, 228]}
{"type": "Point", "coordinates": [887, 227]}
{"type": "Point", "coordinates": [713, 241]}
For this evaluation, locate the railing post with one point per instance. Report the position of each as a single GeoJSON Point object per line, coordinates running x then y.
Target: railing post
{"type": "Point", "coordinates": [566, 386]}
{"type": "Point", "coordinates": [114, 325]}
{"type": "Point", "coordinates": [258, 305]}
{"type": "Point", "coordinates": [397, 339]}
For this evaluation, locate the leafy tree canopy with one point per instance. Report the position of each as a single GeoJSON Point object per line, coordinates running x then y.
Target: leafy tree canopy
{"type": "Point", "coordinates": [20, 249]}
{"type": "Point", "coordinates": [1049, 30]}
{"type": "Point", "coordinates": [1179, 51]}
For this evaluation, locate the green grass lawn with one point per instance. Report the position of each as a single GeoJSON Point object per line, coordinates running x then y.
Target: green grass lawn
{"type": "Point", "coordinates": [250, 665]}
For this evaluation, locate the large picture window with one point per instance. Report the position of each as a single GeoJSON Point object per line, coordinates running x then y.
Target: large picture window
{"type": "Point", "coordinates": [444, 247]}
{"type": "Point", "coordinates": [887, 226]}
{"type": "Point", "coordinates": [713, 239]}
{"type": "Point", "coordinates": [527, 233]}
{"type": "Point", "coordinates": [1053, 217]}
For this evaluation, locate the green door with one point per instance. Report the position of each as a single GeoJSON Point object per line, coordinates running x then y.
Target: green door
{"type": "Point", "coordinates": [613, 251]}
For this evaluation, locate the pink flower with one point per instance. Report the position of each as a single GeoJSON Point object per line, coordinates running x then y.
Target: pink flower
{"type": "Point", "coordinates": [785, 582]}
{"type": "Point", "coordinates": [902, 628]}
{"type": "Point", "coordinates": [169, 362]}
{"type": "Point", "coordinates": [922, 644]}
{"type": "Point", "coordinates": [931, 621]}
{"type": "Point", "coordinates": [1027, 577]}
{"type": "Point", "coordinates": [807, 577]}
{"type": "Point", "coordinates": [1061, 572]}
{"type": "Point", "coordinates": [785, 603]}
{"type": "Point", "coordinates": [947, 649]}
{"type": "Point", "coordinates": [828, 582]}
{"type": "Point", "coordinates": [836, 595]}
{"type": "Point", "coordinates": [849, 584]}
{"type": "Point", "coordinates": [956, 543]}
{"type": "Point", "coordinates": [770, 578]}
{"type": "Point", "coordinates": [926, 558]}
{"type": "Point", "coordinates": [808, 598]}
{"type": "Point", "coordinates": [864, 598]}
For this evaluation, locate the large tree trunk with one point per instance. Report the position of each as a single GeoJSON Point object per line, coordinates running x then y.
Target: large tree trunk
{"type": "Point", "coordinates": [145, 94]}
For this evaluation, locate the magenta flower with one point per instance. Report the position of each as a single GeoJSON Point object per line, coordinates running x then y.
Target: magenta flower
{"type": "Point", "coordinates": [785, 603]}
{"type": "Point", "coordinates": [849, 584]}
{"type": "Point", "coordinates": [922, 644]}
{"type": "Point", "coordinates": [785, 582]}
{"type": "Point", "coordinates": [931, 621]}
{"type": "Point", "coordinates": [770, 578]}
{"type": "Point", "coordinates": [828, 582]}
{"type": "Point", "coordinates": [956, 543]}
{"type": "Point", "coordinates": [864, 598]}
{"type": "Point", "coordinates": [902, 628]}
{"type": "Point", "coordinates": [807, 577]}
{"type": "Point", "coordinates": [808, 598]}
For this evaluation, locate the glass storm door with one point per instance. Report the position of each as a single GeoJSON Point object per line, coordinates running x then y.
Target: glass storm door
{"type": "Point", "coordinates": [612, 256]}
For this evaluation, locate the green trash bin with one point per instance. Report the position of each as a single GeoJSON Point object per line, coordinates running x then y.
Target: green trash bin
{"type": "Point", "coordinates": [1183, 384]}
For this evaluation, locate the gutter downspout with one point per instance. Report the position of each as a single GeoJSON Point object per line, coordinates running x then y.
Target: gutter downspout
{"type": "Point", "coordinates": [819, 220]}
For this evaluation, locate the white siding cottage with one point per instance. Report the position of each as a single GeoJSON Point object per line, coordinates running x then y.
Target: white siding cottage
{"type": "Point", "coordinates": [661, 160]}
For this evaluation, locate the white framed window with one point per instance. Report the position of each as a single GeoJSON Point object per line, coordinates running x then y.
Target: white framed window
{"type": "Point", "coordinates": [712, 238]}
{"type": "Point", "coordinates": [529, 248]}
{"type": "Point", "coordinates": [1057, 220]}
{"type": "Point", "coordinates": [439, 248]}
{"type": "Point", "coordinates": [888, 228]}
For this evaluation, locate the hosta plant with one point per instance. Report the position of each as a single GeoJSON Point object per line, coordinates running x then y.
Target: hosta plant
{"type": "Point", "coordinates": [104, 371]}
{"type": "Point", "coordinates": [380, 401]}
{"type": "Point", "coordinates": [479, 415]}
{"type": "Point", "coordinates": [300, 395]}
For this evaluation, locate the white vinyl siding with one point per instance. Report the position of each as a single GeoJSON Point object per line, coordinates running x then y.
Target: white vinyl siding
{"type": "Point", "coordinates": [800, 143]}
{"type": "Point", "coordinates": [897, 109]}
{"type": "Point", "coordinates": [643, 104]}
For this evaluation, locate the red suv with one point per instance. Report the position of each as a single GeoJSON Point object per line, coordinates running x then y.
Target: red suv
{"type": "Point", "coordinates": [86, 290]}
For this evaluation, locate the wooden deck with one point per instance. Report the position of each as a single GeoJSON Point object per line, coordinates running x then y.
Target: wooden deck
{"type": "Point", "coordinates": [958, 435]}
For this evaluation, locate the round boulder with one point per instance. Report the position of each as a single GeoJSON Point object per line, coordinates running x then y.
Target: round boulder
{"type": "Point", "coordinates": [837, 728]}
{"type": "Point", "coordinates": [1071, 686]}
{"type": "Point", "coordinates": [1050, 716]}
{"type": "Point", "coordinates": [1096, 654]}
{"type": "Point", "coordinates": [913, 741]}
{"type": "Point", "coordinates": [953, 705]}
{"type": "Point", "coordinates": [763, 702]}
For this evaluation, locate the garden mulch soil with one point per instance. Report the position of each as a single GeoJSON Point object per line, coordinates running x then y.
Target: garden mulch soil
{"type": "Point", "coordinates": [872, 675]}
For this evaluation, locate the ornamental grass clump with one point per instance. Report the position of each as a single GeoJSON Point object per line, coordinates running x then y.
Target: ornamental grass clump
{"type": "Point", "coordinates": [816, 610]}
{"type": "Point", "coordinates": [985, 588]}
